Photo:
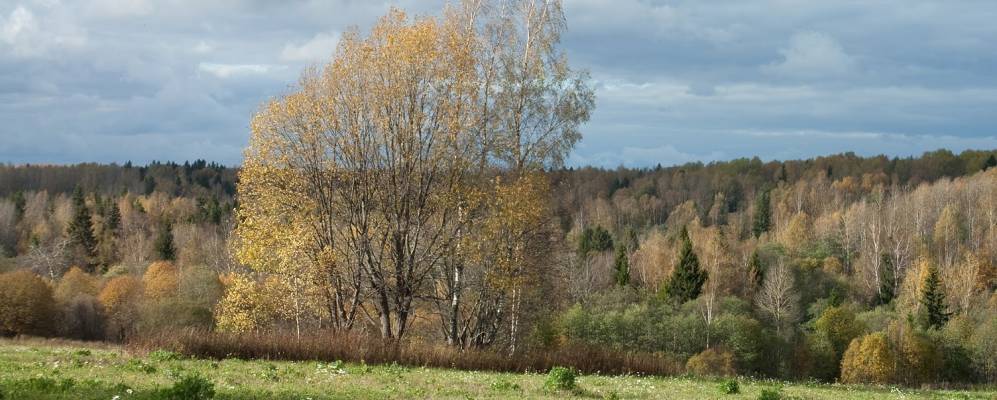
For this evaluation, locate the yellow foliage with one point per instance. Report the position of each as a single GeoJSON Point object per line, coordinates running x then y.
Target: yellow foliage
{"type": "Point", "coordinates": [120, 292]}
{"type": "Point", "coordinates": [161, 280]}
{"type": "Point", "coordinates": [869, 359]}
{"type": "Point", "coordinates": [26, 304]}
{"type": "Point", "coordinates": [120, 298]}
{"type": "Point", "coordinates": [712, 362]}
{"type": "Point", "coordinates": [76, 282]}
{"type": "Point", "coordinates": [247, 306]}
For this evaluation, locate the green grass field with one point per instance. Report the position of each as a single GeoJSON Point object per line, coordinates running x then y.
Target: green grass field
{"type": "Point", "coordinates": [43, 370]}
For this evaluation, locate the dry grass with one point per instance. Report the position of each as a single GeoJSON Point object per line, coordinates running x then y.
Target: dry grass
{"type": "Point", "coordinates": [370, 350]}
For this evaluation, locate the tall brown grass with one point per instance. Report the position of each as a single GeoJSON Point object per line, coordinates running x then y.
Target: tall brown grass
{"type": "Point", "coordinates": [372, 350]}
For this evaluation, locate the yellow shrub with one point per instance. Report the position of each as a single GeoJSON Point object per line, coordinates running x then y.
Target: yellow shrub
{"type": "Point", "coordinates": [869, 359]}
{"type": "Point", "coordinates": [26, 304]}
{"type": "Point", "coordinates": [161, 280]}
{"type": "Point", "coordinates": [712, 362]}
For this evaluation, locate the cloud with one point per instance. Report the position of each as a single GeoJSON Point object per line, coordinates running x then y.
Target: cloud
{"type": "Point", "coordinates": [676, 80]}
{"type": "Point", "coordinates": [203, 47]}
{"type": "Point", "coordinates": [318, 48]}
{"type": "Point", "coordinates": [28, 36]}
{"type": "Point", "coordinates": [812, 55]}
{"type": "Point", "coordinates": [225, 71]}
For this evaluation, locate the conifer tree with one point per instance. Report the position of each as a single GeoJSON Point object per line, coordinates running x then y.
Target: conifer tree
{"type": "Point", "coordinates": [686, 282]}
{"type": "Point", "coordinates": [80, 230]}
{"type": "Point", "coordinates": [622, 266]}
{"type": "Point", "coordinates": [756, 269]}
{"type": "Point", "coordinates": [165, 249]}
{"type": "Point", "coordinates": [933, 298]}
{"type": "Point", "coordinates": [763, 215]}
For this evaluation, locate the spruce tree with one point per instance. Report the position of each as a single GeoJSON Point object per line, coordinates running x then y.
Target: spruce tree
{"type": "Point", "coordinates": [933, 299]}
{"type": "Point", "coordinates": [622, 266]}
{"type": "Point", "coordinates": [756, 269]}
{"type": "Point", "coordinates": [686, 282]}
{"type": "Point", "coordinates": [164, 243]}
{"type": "Point", "coordinates": [763, 215]}
{"type": "Point", "coordinates": [80, 230]}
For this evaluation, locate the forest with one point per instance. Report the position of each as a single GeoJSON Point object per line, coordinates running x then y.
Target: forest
{"type": "Point", "coordinates": [409, 203]}
{"type": "Point", "coordinates": [842, 268]}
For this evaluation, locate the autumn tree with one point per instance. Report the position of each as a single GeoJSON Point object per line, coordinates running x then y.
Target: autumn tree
{"type": "Point", "coordinates": [26, 304]}
{"type": "Point", "coordinates": [688, 278]}
{"type": "Point", "coordinates": [368, 177]}
{"type": "Point", "coordinates": [161, 280]}
{"type": "Point", "coordinates": [778, 298]}
{"type": "Point", "coordinates": [120, 298]}
{"type": "Point", "coordinates": [869, 359]}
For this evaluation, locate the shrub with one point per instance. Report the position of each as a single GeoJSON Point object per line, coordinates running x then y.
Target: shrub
{"type": "Point", "coordinates": [25, 304]}
{"type": "Point", "coordinates": [74, 283]}
{"type": "Point", "coordinates": [770, 394]}
{"type": "Point", "coordinates": [504, 385]}
{"type": "Point", "coordinates": [868, 359]}
{"type": "Point", "coordinates": [191, 387]}
{"type": "Point", "coordinates": [164, 355]}
{"type": "Point", "coordinates": [161, 280]}
{"type": "Point", "coordinates": [561, 378]}
{"type": "Point", "coordinates": [120, 299]}
{"type": "Point", "coordinates": [730, 386]}
{"type": "Point", "coordinates": [712, 362]}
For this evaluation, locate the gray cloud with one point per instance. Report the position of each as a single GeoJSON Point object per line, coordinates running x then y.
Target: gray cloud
{"type": "Point", "coordinates": [677, 81]}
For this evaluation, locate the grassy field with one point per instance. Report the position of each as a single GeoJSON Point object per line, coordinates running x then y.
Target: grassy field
{"type": "Point", "coordinates": [44, 370]}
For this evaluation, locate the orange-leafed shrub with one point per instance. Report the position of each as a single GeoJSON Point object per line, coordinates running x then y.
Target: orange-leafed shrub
{"type": "Point", "coordinates": [161, 280]}
{"type": "Point", "coordinates": [26, 304]}
{"type": "Point", "coordinates": [120, 299]}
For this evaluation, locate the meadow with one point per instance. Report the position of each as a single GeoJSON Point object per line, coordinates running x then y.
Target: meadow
{"type": "Point", "coordinates": [37, 369]}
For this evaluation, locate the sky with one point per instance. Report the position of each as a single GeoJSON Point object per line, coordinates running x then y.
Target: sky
{"type": "Point", "coordinates": [676, 81]}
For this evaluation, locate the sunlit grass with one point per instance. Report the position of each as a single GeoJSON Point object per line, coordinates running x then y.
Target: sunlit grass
{"type": "Point", "coordinates": [40, 370]}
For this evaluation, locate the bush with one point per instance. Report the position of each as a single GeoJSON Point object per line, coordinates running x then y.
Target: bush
{"type": "Point", "coordinates": [164, 355]}
{"type": "Point", "coordinates": [869, 359]}
{"type": "Point", "coordinates": [191, 387]}
{"type": "Point", "coordinates": [770, 394]}
{"type": "Point", "coordinates": [712, 362]}
{"type": "Point", "coordinates": [561, 378]}
{"type": "Point", "coordinates": [161, 280]}
{"type": "Point", "coordinates": [730, 386]}
{"type": "Point", "coordinates": [25, 304]}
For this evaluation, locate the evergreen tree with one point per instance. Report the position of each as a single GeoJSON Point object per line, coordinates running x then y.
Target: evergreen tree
{"type": "Point", "coordinates": [687, 280]}
{"type": "Point", "coordinates": [933, 299]}
{"type": "Point", "coordinates": [756, 269]}
{"type": "Point", "coordinates": [19, 203]}
{"type": "Point", "coordinates": [990, 163]}
{"type": "Point", "coordinates": [763, 215]}
{"type": "Point", "coordinates": [80, 230]}
{"type": "Point", "coordinates": [596, 240]}
{"type": "Point", "coordinates": [887, 280]}
{"type": "Point", "coordinates": [622, 266]}
{"type": "Point", "coordinates": [165, 249]}
{"type": "Point", "coordinates": [113, 217]}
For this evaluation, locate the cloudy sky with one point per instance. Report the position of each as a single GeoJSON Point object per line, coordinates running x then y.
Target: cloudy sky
{"type": "Point", "coordinates": [141, 80]}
